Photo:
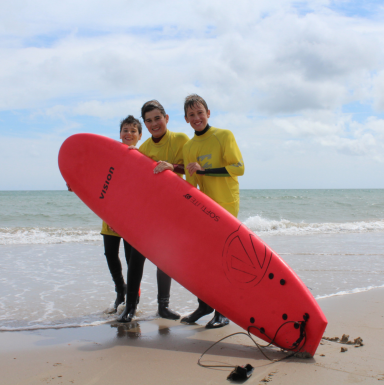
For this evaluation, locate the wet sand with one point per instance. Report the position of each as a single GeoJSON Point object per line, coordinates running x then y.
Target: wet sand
{"type": "Point", "coordinates": [166, 352]}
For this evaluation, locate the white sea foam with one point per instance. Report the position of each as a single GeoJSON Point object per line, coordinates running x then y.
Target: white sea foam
{"type": "Point", "coordinates": [68, 285]}
{"type": "Point", "coordinates": [142, 315]}
{"type": "Point", "coordinates": [258, 224]}
{"type": "Point", "coordinates": [46, 235]}
{"type": "Point", "coordinates": [262, 225]}
{"type": "Point", "coordinates": [52, 326]}
{"type": "Point", "coordinates": [353, 291]}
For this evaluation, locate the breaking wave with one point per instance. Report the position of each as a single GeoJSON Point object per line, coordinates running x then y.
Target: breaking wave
{"type": "Point", "coordinates": [258, 224]}
{"type": "Point", "coordinates": [46, 235]}
{"type": "Point", "coordinates": [262, 225]}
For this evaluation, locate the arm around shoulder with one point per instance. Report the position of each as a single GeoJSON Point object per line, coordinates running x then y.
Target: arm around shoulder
{"type": "Point", "coordinates": [180, 140]}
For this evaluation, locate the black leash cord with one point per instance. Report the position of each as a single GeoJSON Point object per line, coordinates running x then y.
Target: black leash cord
{"type": "Point", "coordinates": [302, 337]}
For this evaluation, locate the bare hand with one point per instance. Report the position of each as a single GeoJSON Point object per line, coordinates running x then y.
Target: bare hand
{"type": "Point", "coordinates": [132, 148]}
{"type": "Point", "coordinates": [69, 188]}
{"type": "Point", "coordinates": [111, 229]}
{"type": "Point", "coordinates": [193, 167]}
{"type": "Point", "coordinates": [162, 166]}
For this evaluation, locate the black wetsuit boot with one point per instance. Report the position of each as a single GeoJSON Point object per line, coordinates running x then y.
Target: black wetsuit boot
{"type": "Point", "coordinates": [111, 252]}
{"type": "Point", "coordinates": [218, 321]}
{"type": "Point", "coordinates": [120, 295]}
{"type": "Point", "coordinates": [201, 311]}
{"type": "Point", "coordinates": [130, 308]}
{"type": "Point", "coordinates": [164, 311]}
{"type": "Point", "coordinates": [164, 289]}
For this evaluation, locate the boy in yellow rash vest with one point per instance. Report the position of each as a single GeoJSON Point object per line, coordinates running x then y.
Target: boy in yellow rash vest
{"type": "Point", "coordinates": [130, 134]}
{"type": "Point", "coordinates": [166, 148]}
{"type": "Point", "coordinates": [213, 162]}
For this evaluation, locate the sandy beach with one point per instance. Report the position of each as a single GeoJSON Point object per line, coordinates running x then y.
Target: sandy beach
{"type": "Point", "coordinates": [47, 250]}
{"type": "Point", "coordinates": [166, 352]}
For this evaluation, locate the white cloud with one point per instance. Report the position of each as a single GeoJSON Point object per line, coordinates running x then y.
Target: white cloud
{"type": "Point", "coordinates": [359, 146]}
{"type": "Point", "coordinates": [31, 164]}
{"type": "Point", "coordinates": [313, 125]}
{"type": "Point", "coordinates": [275, 74]}
{"type": "Point", "coordinates": [378, 91]}
{"type": "Point", "coordinates": [106, 109]}
{"type": "Point", "coordinates": [281, 62]}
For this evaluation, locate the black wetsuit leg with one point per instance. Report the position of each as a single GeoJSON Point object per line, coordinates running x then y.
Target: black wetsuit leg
{"type": "Point", "coordinates": [203, 304]}
{"type": "Point", "coordinates": [163, 284]}
{"type": "Point", "coordinates": [163, 294]}
{"type": "Point", "coordinates": [134, 275]}
{"type": "Point", "coordinates": [127, 251]}
{"type": "Point", "coordinates": [111, 252]}
{"type": "Point", "coordinates": [201, 311]}
{"type": "Point", "coordinates": [218, 319]}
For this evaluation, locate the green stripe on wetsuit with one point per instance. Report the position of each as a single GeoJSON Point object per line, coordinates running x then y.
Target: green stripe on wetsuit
{"type": "Point", "coordinates": [221, 171]}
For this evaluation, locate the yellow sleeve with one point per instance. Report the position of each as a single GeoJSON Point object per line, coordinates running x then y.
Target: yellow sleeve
{"type": "Point", "coordinates": [232, 156]}
{"type": "Point", "coordinates": [190, 179]}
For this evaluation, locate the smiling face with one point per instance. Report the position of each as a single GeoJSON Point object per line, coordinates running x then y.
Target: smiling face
{"type": "Point", "coordinates": [129, 134]}
{"type": "Point", "coordinates": [156, 123]}
{"type": "Point", "coordinates": [197, 116]}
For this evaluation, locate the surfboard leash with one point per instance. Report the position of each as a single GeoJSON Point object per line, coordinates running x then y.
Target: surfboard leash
{"type": "Point", "coordinates": [296, 348]}
{"type": "Point", "coordinates": [296, 345]}
{"type": "Point", "coordinates": [244, 372]}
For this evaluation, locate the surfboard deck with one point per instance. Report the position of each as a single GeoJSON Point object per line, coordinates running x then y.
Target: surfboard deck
{"type": "Point", "coordinates": [194, 240]}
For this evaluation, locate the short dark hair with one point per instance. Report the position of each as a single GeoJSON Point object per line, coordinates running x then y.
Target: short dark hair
{"type": "Point", "coordinates": [191, 101]}
{"type": "Point", "coordinates": [150, 106]}
{"type": "Point", "coordinates": [131, 120]}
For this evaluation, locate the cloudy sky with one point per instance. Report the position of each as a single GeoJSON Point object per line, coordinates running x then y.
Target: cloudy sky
{"type": "Point", "coordinates": [300, 83]}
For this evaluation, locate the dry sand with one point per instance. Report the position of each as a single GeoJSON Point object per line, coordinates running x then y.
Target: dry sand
{"type": "Point", "coordinates": [166, 352]}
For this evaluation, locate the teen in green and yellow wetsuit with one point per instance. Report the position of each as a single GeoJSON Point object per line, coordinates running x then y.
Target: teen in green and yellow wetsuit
{"type": "Point", "coordinates": [130, 134]}
{"type": "Point", "coordinates": [213, 162]}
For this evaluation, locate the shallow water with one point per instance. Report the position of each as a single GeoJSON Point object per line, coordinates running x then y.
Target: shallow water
{"type": "Point", "coordinates": [53, 272]}
{"type": "Point", "coordinates": [69, 285]}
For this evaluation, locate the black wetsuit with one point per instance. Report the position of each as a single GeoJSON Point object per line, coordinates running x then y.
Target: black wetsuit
{"type": "Point", "coordinates": [135, 274]}
{"type": "Point", "coordinates": [135, 263]}
{"type": "Point", "coordinates": [111, 252]}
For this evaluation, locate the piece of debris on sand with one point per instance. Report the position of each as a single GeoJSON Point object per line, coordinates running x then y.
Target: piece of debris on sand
{"type": "Point", "coordinates": [334, 339]}
{"type": "Point", "coordinates": [345, 340]}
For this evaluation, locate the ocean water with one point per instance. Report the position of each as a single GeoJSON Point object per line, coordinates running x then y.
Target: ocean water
{"type": "Point", "coordinates": [53, 272]}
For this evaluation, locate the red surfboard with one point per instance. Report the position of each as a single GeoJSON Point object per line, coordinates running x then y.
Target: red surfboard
{"type": "Point", "coordinates": [194, 240]}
